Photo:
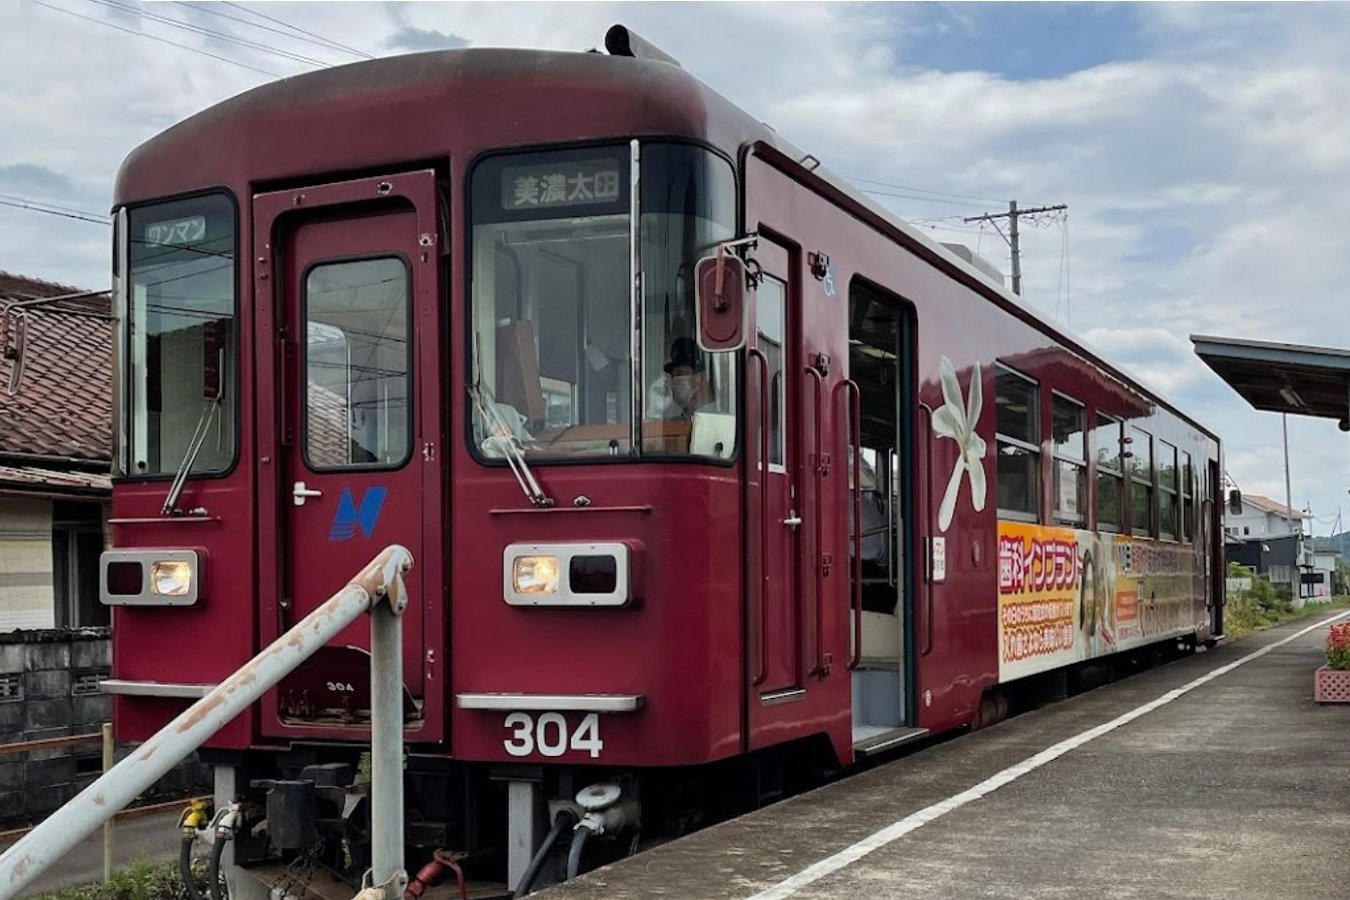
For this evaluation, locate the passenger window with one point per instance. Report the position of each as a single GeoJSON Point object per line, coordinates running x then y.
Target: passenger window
{"type": "Point", "coordinates": [1187, 497]}
{"type": "Point", "coordinates": [771, 328]}
{"type": "Point", "coordinates": [1141, 482]}
{"type": "Point", "coordinates": [357, 364]}
{"type": "Point", "coordinates": [1110, 473]}
{"type": "Point", "coordinates": [1019, 442]}
{"type": "Point", "coordinates": [1167, 490]}
{"type": "Point", "coordinates": [1068, 420]}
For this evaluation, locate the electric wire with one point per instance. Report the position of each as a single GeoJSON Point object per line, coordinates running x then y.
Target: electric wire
{"type": "Point", "coordinates": [155, 37]}
{"type": "Point", "coordinates": [210, 32]}
{"type": "Point", "coordinates": [303, 36]}
{"type": "Point", "coordinates": [21, 204]}
{"type": "Point", "coordinates": [919, 190]}
{"type": "Point", "coordinates": [317, 37]}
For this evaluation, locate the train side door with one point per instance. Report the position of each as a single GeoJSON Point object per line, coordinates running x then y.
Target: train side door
{"type": "Point", "coordinates": [779, 513]}
{"type": "Point", "coordinates": [347, 284]}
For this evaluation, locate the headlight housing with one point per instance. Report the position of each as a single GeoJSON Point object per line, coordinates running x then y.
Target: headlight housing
{"type": "Point", "coordinates": [536, 574]}
{"type": "Point", "coordinates": [171, 578]}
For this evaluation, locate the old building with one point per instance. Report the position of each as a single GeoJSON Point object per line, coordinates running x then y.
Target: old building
{"type": "Point", "coordinates": [55, 446]}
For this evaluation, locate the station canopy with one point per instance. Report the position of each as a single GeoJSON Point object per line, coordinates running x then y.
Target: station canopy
{"type": "Point", "coordinates": [1286, 378]}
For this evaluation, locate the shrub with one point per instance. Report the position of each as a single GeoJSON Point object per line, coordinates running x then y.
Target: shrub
{"type": "Point", "coordinates": [1338, 646]}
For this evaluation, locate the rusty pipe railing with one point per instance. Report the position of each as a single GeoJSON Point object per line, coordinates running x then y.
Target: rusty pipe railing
{"type": "Point", "coordinates": [382, 579]}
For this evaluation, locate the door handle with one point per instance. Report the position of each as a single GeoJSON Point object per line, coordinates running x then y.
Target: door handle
{"type": "Point", "coordinates": [299, 493]}
{"type": "Point", "coordinates": [793, 520]}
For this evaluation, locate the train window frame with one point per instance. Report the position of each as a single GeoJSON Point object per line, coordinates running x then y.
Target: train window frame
{"type": "Point", "coordinates": [466, 186]}
{"type": "Point", "coordinates": [122, 401]}
{"type": "Point", "coordinates": [1166, 497]}
{"type": "Point", "coordinates": [1031, 449]}
{"type": "Point", "coordinates": [1109, 470]}
{"type": "Point", "coordinates": [1142, 481]}
{"type": "Point", "coordinates": [1063, 461]}
{"type": "Point", "coordinates": [410, 374]}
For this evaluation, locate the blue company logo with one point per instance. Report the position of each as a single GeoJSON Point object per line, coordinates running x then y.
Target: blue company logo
{"type": "Point", "coordinates": [349, 515]}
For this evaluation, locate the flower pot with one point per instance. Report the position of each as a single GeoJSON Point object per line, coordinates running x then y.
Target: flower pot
{"type": "Point", "coordinates": [1331, 685]}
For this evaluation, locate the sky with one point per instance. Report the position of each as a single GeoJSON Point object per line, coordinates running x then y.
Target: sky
{"type": "Point", "coordinates": [1202, 149]}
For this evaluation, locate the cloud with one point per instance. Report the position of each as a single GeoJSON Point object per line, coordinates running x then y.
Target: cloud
{"type": "Point", "coordinates": [39, 181]}
{"type": "Point", "coordinates": [417, 39]}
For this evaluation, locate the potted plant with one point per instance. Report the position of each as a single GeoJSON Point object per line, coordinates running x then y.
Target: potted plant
{"type": "Point", "coordinates": [1332, 681]}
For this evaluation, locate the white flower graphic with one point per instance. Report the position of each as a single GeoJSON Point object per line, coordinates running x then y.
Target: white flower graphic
{"type": "Point", "coordinates": [957, 420]}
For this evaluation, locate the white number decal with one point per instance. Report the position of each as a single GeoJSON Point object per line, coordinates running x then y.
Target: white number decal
{"type": "Point", "coordinates": [522, 738]}
{"type": "Point", "coordinates": [550, 736]}
{"type": "Point", "coordinates": [339, 686]}
{"type": "Point", "coordinates": [551, 747]}
{"type": "Point", "coordinates": [587, 736]}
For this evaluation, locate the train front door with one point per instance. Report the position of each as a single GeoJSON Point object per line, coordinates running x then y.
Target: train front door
{"type": "Point", "coordinates": [346, 281]}
{"type": "Point", "coordinates": [780, 509]}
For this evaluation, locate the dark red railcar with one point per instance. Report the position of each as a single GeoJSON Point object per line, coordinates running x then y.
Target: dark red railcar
{"type": "Point", "coordinates": [448, 300]}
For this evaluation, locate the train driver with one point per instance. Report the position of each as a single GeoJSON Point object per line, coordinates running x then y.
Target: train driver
{"type": "Point", "coordinates": [690, 389]}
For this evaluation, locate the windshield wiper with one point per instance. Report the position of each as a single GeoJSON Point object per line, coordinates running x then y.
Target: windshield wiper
{"type": "Point", "coordinates": [503, 438]}
{"type": "Point", "coordinates": [194, 447]}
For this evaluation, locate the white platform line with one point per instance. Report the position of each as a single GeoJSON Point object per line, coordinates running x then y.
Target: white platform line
{"type": "Point", "coordinates": [913, 821]}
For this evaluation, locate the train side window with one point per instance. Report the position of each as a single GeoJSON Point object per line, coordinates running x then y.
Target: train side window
{"type": "Point", "coordinates": [1141, 482]}
{"type": "Point", "coordinates": [1018, 437]}
{"type": "Point", "coordinates": [1068, 422]}
{"type": "Point", "coordinates": [357, 364]}
{"type": "Point", "coordinates": [1110, 473]}
{"type": "Point", "coordinates": [771, 332]}
{"type": "Point", "coordinates": [1187, 497]}
{"type": "Point", "coordinates": [1167, 490]}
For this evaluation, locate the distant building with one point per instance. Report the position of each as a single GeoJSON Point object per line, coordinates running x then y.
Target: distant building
{"type": "Point", "coordinates": [1268, 537]}
{"type": "Point", "coordinates": [55, 452]}
{"type": "Point", "coordinates": [1324, 579]}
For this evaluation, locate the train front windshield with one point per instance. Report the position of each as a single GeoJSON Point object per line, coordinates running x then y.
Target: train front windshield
{"type": "Point", "coordinates": [554, 335]}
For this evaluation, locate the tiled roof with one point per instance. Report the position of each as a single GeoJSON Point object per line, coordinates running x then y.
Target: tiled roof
{"type": "Point", "coordinates": [63, 408]}
{"type": "Point", "coordinates": [1270, 506]}
{"type": "Point", "coordinates": [34, 478]}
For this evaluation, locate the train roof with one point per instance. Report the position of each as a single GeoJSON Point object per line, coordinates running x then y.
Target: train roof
{"type": "Point", "coordinates": [663, 96]}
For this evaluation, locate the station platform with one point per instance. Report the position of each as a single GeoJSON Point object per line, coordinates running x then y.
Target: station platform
{"type": "Point", "coordinates": [1215, 776]}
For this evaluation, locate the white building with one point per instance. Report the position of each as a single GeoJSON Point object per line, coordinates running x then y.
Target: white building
{"type": "Point", "coordinates": [1262, 517]}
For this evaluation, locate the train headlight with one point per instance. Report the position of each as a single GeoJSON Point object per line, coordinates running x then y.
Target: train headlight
{"type": "Point", "coordinates": [171, 578]}
{"type": "Point", "coordinates": [535, 575]}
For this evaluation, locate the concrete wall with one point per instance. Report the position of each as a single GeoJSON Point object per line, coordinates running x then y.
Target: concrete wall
{"type": "Point", "coordinates": [26, 595]}
{"type": "Point", "coordinates": [49, 688]}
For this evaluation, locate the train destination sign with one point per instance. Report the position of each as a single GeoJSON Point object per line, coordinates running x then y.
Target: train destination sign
{"type": "Point", "coordinates": [561, 184]}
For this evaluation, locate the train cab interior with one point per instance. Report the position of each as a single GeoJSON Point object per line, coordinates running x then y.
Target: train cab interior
{"type": "Point", "coordinates": [879, 362]}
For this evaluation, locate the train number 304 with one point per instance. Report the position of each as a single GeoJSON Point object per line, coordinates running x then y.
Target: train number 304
{"type": "Point", "coordinates": [549, 735]}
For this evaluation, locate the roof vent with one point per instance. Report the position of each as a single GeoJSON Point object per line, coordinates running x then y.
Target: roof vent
{"type": "Point", "coordinates": [623, 41]}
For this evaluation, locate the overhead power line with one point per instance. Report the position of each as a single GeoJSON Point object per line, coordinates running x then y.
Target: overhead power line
{"type": "Point", "coordinates": [20, 203]}
{"type": "Point", "coordinates": [300, 30]}
{"type": "Point", "coordinates": [919, 190]}
{"type": "Point", "coordinates": [293, 33]}
{"type": "Point", "coordinates": [1013, 215]}
{"type": "Point", "coordinates": [155, 37]}
{"type": "Point", "coordinates": [211, 32]}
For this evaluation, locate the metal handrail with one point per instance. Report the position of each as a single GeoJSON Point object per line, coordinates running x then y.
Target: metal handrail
{"type": "Point", "coordinates": [928, 522]}
{"type": "Point", "coordinates": [850, 387]}
{"type": "Point", "coordinates": [381, 580]}
{"type": "Point", "coordinates": [818, 476]}
{"type": "Point", "coordinates": [763, 671]}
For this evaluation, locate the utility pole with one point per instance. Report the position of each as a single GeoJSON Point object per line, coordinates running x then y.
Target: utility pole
{"type": "Point", "coordinates": [1011, 237]}
{"type": "Point", "coordinates": [1296, 573]}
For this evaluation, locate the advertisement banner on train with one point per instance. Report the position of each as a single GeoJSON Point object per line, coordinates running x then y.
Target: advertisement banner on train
{"type": "Point", "coordinates": [1066, 595]}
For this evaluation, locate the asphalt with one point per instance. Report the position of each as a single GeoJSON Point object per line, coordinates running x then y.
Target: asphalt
{"type": "Point", "coordinates": [150, 837]}
{"type": "Point", "coordinates": [1239, 788]}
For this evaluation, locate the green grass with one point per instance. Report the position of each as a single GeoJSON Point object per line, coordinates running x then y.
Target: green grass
{"type": "Point", "coordinates": [1255, 610]}
{"type": "Point", "coordinates": [141, 880]}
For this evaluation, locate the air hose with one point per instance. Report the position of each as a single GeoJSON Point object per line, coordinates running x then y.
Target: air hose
{"type": "Point", "coordinates": [213, 872]}
{"type": "Point", "coordinates": [185, 869]}
{"type": "Point", "coordinates": [564, 819]}
{"type": "Point", "coordinates": [192, 819]}
{"type": "Point", "coordinates": [579, 837]}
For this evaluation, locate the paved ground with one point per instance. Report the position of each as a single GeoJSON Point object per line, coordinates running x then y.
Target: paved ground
{"type": "Point", "coordinates": [153, 837]}
{"type": "Point", "coordinates": [1239, 788]}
